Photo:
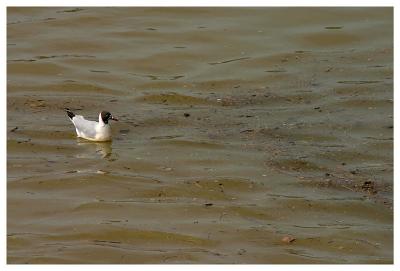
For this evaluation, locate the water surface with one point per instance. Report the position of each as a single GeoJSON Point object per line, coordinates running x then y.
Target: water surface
{"type": "Point", "coordinates": [238, 127]}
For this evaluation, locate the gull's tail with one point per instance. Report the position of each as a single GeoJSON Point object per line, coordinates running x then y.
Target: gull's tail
{"type": "Point", "coordinates": [69, 113]}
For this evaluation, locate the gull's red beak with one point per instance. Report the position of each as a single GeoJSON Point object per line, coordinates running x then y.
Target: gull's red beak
{"type": "Point", "coordinates": [112, 117]}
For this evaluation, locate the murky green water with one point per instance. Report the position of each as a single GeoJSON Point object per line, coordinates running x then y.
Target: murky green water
{"type": "Point", "coordinates": [238, 127]}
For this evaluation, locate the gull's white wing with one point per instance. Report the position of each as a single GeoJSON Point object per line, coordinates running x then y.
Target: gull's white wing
{"type": "Point", "coordinates": [84, 128]}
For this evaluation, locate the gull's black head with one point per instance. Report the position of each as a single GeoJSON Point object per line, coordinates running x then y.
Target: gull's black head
{"type": "Point", "coordinates": [105, 116]}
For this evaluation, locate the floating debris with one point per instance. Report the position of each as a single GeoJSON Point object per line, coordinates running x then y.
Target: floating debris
{"type": "Point", "coordinates": [70, 10]}
{"type": "Point", "coordinates": [157, 77]}
{"type": "Point", "coordinates": [165, 168]}
{"type": "Point", "coordinates": [368, 186]}
{"type": "Point", "coordinates": [166, 137]}
{"type": "Point", "coordinates": [62, 56]}
{"type": "Point", "coordinates": [176, 77]}
{"type": "Point", "coordinates": [276, 70]}
{"type": "Point", "coordinates": [227, 61]}
{"type": "Point", "coordinates": [288, 239]}
{"type": "Point", "coordinates": [360, 82]}
{"type": "Point", "coordinates": [333, 27]}
{"type": "Point", "coordinates": [21, 60]}
{"type": "Point", "coordinates": [99, 71]}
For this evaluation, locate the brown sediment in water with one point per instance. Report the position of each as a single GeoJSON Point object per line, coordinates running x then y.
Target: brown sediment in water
{"type": "Point", "coordinates": [243, 137]}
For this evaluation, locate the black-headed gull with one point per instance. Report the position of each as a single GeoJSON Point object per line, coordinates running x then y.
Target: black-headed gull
{"type": "Point", "coordinates": [92, 130]}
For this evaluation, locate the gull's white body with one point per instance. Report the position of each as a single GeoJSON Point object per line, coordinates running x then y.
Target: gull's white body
{"type": "Point", "coordinates": [92, 130]}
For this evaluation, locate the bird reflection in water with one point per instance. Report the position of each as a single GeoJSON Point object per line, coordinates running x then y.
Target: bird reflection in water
{"type": "Point", "coordinates": [102, 149]}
